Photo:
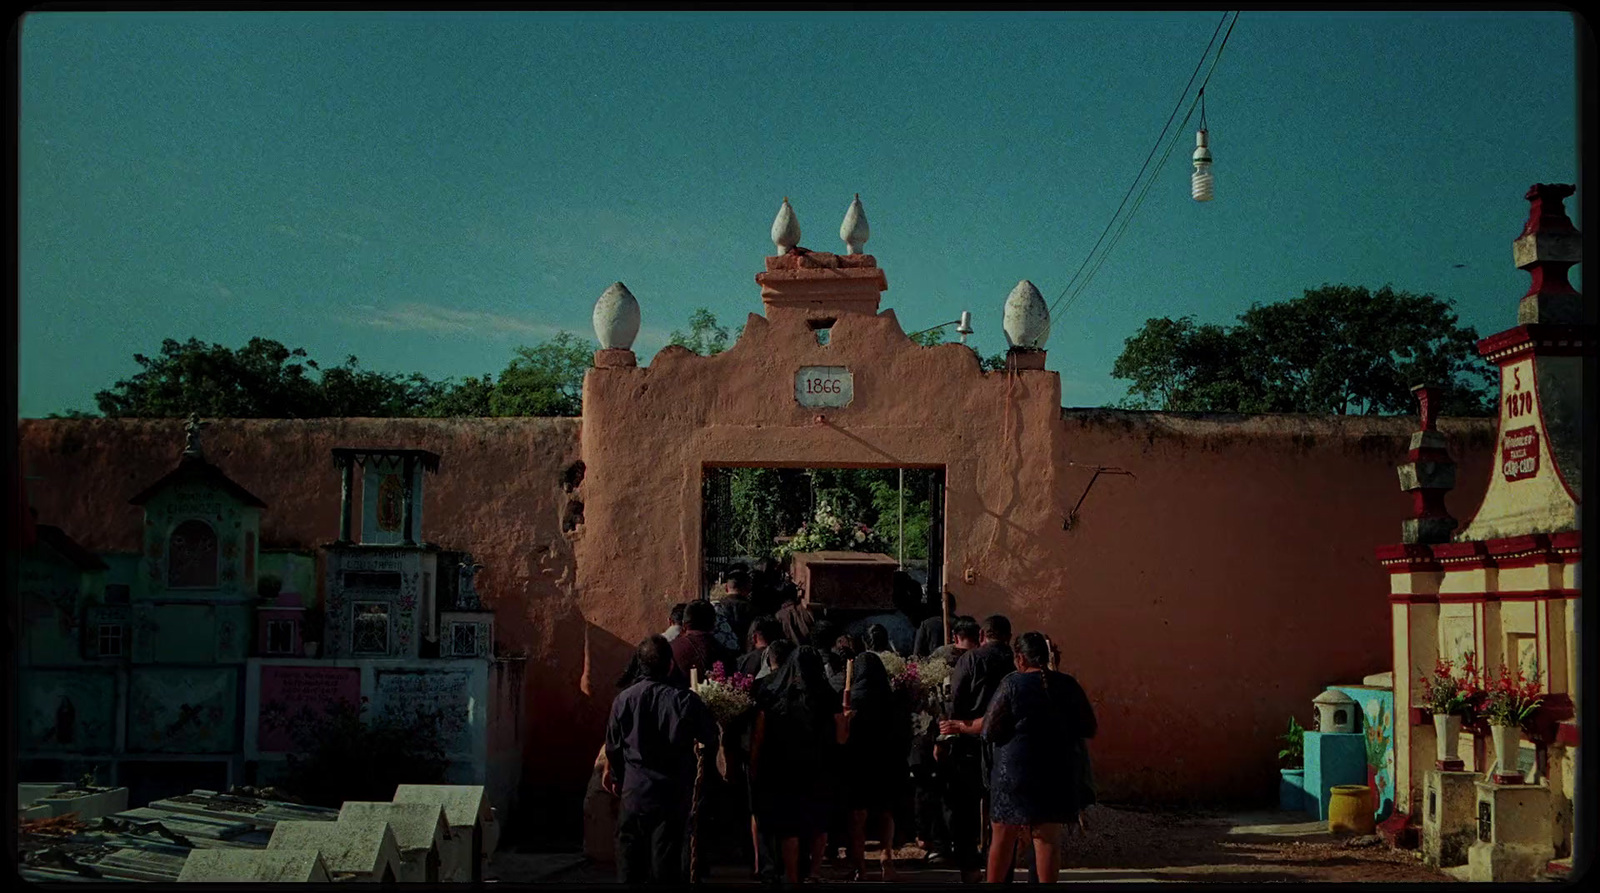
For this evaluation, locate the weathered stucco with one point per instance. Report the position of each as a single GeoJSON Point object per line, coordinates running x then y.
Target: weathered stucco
{"type": "Point", "coordinates": [1201, 601]}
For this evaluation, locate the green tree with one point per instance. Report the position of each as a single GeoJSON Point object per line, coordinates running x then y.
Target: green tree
{"type": "Point", "coordinates": [468, 398]}
{"type": "Point", "coordinates": [1337, 349]}
{"type": "Point", "coordinates": [263, 379]}
{"type": "Point", "coordinates": [545, 380]}
{"type": "Point", "coordinates": [705, 336]}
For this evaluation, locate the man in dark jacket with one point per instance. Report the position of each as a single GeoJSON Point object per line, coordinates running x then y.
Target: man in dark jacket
{"type": "Point", "coordinates": [973, 682]}
{"type": "Point", "coordinates": [931, 632]}
{"type": "Point", "coordinates": [763, 633]}
{"type": "Point", "coordinates": [651, 765]}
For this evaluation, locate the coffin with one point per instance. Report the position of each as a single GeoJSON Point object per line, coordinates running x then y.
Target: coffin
{"type": "Point", "coordinates": [848, 580]}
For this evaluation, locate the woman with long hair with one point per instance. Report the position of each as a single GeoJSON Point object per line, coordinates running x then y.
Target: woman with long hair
{"type": "Point", "coordinates": [793, 755]}
{"type": "Point", "coordinates": [875, 759]}
{"type": "Point", "coordinates": [1035, 724]}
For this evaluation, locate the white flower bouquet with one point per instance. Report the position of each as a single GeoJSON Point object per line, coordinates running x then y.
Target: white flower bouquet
{"type": "Point", "coordinates": [728, 697]}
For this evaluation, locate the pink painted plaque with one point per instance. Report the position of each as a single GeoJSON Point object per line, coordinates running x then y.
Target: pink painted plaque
{"type": "Point", "coordinates": [294, 695]}
{"type": "Point", "coordinates": [1519, 454]}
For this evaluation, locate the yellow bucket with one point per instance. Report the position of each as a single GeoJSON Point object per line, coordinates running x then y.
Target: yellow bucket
{"type": "Point", "coordinates": [1350, 809]}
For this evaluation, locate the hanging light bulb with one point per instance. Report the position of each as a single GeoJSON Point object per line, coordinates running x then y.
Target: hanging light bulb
{"type": "Point", "coordinates": [1200, 183]}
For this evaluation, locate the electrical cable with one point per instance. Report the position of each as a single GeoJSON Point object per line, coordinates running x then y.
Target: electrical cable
{"type": "Point", "coordinates": [1159, 138]}
{"type": "Point", "coordinates": [1199, 100]}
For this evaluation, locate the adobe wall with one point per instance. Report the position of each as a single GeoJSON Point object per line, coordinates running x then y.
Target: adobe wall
{"type": "Point", "coordinates": [1201, 602]}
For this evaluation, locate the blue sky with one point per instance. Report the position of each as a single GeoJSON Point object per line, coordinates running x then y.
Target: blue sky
{"type": "Point", "coordinates": [429, 190]}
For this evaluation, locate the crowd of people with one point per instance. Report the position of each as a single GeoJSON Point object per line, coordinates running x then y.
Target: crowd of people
{"type": "Point", "coordinates": [829, 753]}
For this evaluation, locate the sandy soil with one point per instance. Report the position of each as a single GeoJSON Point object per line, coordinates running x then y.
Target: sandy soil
{"type": "Point", "coordinates": [1124, 845]}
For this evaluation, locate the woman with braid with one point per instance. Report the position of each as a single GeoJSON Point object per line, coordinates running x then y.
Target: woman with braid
{"type": "Point", "coordinates": [1035, 722]}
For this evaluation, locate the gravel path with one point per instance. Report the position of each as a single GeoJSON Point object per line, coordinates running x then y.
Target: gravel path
{"type": "Point", "coordinates": [1133, 845]}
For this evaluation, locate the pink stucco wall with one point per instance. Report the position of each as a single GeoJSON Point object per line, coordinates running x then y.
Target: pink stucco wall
{"type": "Point", "coordinates": [1201, 601]}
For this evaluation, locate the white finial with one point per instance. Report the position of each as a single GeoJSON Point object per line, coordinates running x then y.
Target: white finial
{"type": "Point", "coordinates": [1027, 317]}
{"type": "Point", "coordinates": [786, 228]}
{"type": "Point", "coordinates": [616, 318]}
{"type": "Point", "coordinates": [854, 230]}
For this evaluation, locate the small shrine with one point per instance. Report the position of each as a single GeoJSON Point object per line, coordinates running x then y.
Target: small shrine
{"type": "Point", "coordinates": [1501, 591]}
{"type": "Point", "coordinates": [381, 586]}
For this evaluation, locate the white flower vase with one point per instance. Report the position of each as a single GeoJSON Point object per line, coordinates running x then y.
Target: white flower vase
{"type": "Point", "coordinates": [1447, 734]}
{"type": "Point", "coordinates": [1507, 748]}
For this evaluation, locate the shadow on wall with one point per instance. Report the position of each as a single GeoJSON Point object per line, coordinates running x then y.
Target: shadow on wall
{"type": "Point", "coordinates": [566, 724]}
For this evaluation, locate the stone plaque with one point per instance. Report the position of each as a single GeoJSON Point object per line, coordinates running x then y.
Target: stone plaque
{"type": "Point", "coordinates": [295, 694]}
{"type": "Point", "coordinates": [401, 691]}
{"type": "Point", "coordinates": [824, 386]}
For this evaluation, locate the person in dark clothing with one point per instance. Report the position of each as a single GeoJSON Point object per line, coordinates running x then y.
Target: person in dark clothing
{"type": "Point", "coordinates": [676, 627]}
{"type": "Point", "coordinates": [878, 638]}
{"type": "Point", "coordinates": [1035, 722]}
{"type": "Point", "coordinates": [925, 769]}
{"type": "Point", "coordinates": [931, 633]}
{"type": "Point", "coordinates": [766, 588]}
{"type": "Point", "coordinates": [874, 758]}
{"type": "Point", "coordinates": [762, 633]}
{"type": "Point", "coordinates": [794, 758]}
{"type": "Point", "coordinates": [796, 618]}
{"type": "Point", "coordinates": [697, 648]}
{"type": "Point", "coordinates": [734, 607]}
{"type": "Point", "coordinates": [973, 682]}
{"type": "Point", "coordinates": [651, 763]}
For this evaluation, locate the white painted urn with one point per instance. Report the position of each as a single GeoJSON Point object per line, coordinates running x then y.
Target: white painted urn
{"type": "Point", "coordinates": [1027, 318]}
{"type": "Point", "coordinates": [854, 229]}
{"type": "Point", "coordinates": [785, 228]}
{"type": "Point", "coordinates": [616, 318]}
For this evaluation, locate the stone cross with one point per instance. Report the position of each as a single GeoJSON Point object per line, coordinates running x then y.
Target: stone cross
{"type": "Point", "coordinates": [191, 431]}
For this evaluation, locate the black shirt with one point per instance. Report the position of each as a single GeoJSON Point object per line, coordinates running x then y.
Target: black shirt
{"type": "Point", "coordinates": [976, 678]}
{"type": "Point", "coordinates": [750, 664]}
{"type": "Point", "coordinates": [650, 744]}
{"type": "Point", "coordinates": [930, 635]}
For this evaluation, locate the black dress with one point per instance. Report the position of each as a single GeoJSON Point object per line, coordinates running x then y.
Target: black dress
{"type": "Point", "coordinates": [877, 751]}
{"type": "Point", "coordinates": [1036, 723]}
{"type": "Point", "coordinates": [794, 769]}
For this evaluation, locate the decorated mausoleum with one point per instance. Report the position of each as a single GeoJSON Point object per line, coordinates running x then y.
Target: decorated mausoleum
{"type": "Point", "coordinates": [1488, 613]}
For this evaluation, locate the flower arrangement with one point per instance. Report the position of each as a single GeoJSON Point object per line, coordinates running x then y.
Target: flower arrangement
{"type": "Point", "coordinates": [907, 679]}
{"type": "Point", "coordinates": [933, 673]}
{"type": "Point", "coordinates": [1449, 693]}
{"type": "Point", "coordinates": [1512, 699]}
{"type": "Point", "coordinates": [893, 664]}
{"type": "Point", "coordinates": [727, 696]}
{"type": "Point", "coordinates": [829, 531]}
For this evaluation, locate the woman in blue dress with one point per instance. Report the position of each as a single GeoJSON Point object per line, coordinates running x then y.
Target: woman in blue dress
{"type": "Point", "coordinates": [1035, 724]}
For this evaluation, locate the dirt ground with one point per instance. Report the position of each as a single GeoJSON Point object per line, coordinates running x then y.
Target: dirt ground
{"type": "Point", "coordinates": [1120, 844]}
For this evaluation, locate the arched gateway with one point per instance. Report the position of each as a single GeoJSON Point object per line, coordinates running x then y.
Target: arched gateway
{"type": "Point", "coordinates": [825, 378]}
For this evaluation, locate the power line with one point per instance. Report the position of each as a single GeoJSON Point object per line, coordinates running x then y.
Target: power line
{"type": "Point", "coordinates": [1198, 100]}
{"type": "Point", "coordinates": [1134, 185]}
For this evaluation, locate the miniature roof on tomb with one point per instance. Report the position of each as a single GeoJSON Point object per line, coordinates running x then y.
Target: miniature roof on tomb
{"type": "Point", "coordinates": [196, 470]}
{"type": "Point", "coordinates": [416, 826]}
{"type": "Point", "coordinates": [68, 548]}
{"type": "Point", "coordinates": [343, 457]}
{"type": "Point", "coordinates": [271, 866]}
{"type": "Point", "coordinates": [464, 804]}
{"type": "Point", "coordinates": [354, 846]}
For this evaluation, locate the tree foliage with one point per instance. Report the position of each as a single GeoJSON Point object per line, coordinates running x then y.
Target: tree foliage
{"type": "Point", "coordinates": [265, 379]}
{"type": "Point", "coordinates": [705, 336]}
{"type": "Point", "coordinates": [1337, 349]}
{"type": "Point", "coordinates": [546, 380]}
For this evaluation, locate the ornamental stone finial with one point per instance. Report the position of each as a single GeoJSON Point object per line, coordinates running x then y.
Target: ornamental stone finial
{"type": "Point", "coordinates": [785, 228]}
{"type": "Point", "coordinates": [616, 318]}
{"type": "Point", "coordinates": [854, 230]}
{"type": "Point", "coordinates": [1027, 317]}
